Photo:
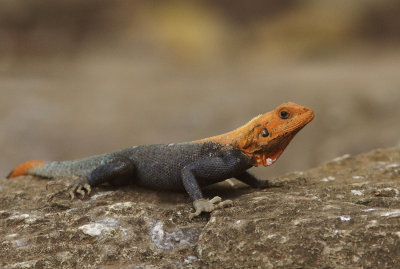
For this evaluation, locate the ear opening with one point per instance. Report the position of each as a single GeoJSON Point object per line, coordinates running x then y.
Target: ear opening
{"type": "Point", "coordinates": [248, 142]}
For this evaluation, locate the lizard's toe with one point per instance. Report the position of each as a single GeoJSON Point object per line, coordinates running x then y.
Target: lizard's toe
{"type": "Point", "coordinates": [223, 204]}
{"type": "Point", "coordinates": [81, 191]}
{"type": "Point", "coordinates": [215, 200]}
{"type": "Point", "coordinates": [72, 194]}
{"type": "Point", "coordinates": [195, 214]}
{"type": "Point", "coordinates": [218, 203]}
{"type": "Point", "coordinates": [87, 188]}
{"type": "Point", "coordinates": [81, 186]}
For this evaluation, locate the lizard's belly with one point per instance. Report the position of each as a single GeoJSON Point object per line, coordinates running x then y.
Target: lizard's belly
{"type": "Point", "coordinates": [157, 175]}
{"type": "Point", "coordinates": [168, 175]}
{"type": "Point", "coordinates": [160, 166]}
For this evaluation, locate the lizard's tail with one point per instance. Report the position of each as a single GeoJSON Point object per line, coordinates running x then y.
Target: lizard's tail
{"type": "Point", "coordinates": [24, 168]}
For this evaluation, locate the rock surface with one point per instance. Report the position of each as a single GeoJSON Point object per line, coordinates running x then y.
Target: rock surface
{"type": "Point", "coordinates": [345, 213]}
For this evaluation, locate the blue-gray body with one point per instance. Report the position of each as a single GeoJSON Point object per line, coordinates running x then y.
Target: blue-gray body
{"type": "Point", "coordinates": [166, 166]}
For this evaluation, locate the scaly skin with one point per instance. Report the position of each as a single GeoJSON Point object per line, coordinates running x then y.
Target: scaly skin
{"type": "Point", "coordinates": [186, 166]}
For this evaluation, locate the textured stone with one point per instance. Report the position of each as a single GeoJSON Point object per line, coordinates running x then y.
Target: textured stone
{"type": "Point", "coordinates": [345, 213]}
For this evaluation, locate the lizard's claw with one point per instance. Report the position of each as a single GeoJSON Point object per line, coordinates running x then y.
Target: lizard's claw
{"type": "Point", "coordinates": [204, 205]}
{"type": "Point", "coordinates": [81, 186]}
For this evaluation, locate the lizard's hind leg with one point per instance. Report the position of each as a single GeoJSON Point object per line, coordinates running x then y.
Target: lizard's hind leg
{"type": "Point", "coordinates": [119, 171]}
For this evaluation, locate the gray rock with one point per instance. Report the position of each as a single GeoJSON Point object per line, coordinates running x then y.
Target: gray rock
{"type": "Point", "coordinates": [345, 213]}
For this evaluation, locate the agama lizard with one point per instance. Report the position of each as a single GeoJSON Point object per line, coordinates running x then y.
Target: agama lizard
{"type": "Point", "coordinates": [185, 166]}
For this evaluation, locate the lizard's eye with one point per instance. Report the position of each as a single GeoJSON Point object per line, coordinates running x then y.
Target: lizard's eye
{"type": "Point", "coordinates": [265, 132]}
{"type": "Point", "coordinates": [284, 114]}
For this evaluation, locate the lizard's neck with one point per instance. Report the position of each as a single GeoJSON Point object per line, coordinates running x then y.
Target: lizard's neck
{"type": "Point", "coordinates": [236, 137]}
{"type": "Point", "coordinates": [228, 139]}
{"type": "Point", "coordinates": [245, 139]}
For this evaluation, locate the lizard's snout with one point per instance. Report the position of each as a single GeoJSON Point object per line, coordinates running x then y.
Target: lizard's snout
{"type": "Point", "coordinates": [309, 113]}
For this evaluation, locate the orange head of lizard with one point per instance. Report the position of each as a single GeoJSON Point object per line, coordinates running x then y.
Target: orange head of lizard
{"type": "Point", "coordinates": [265, 137]}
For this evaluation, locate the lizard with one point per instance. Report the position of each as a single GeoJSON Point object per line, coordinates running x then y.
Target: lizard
{"type": "Point", "coordinates": [186, 166]}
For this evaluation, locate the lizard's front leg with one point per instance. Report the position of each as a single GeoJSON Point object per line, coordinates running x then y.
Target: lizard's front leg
{"type": "Point", "coordinates": [255, 182]}
{"type": "Point", "coordinates": [252, 180]}
{"type": "Point", "coordinates": [212, 168]}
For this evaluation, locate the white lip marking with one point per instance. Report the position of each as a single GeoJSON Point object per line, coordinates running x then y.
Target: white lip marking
{"type": "Point", "coordinates": [270, 161]}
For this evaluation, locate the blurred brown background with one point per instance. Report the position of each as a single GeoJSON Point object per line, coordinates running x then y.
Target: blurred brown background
{"type": "Point", "coordinates": [79, 78]}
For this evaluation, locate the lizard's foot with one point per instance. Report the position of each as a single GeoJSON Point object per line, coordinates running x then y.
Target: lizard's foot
{"type": "Point", "coordinates": [263, 184]}
{"type": "Point", "coordinates": [204, 205]}
{"type": "Point", "coordinates": [81, 186]}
